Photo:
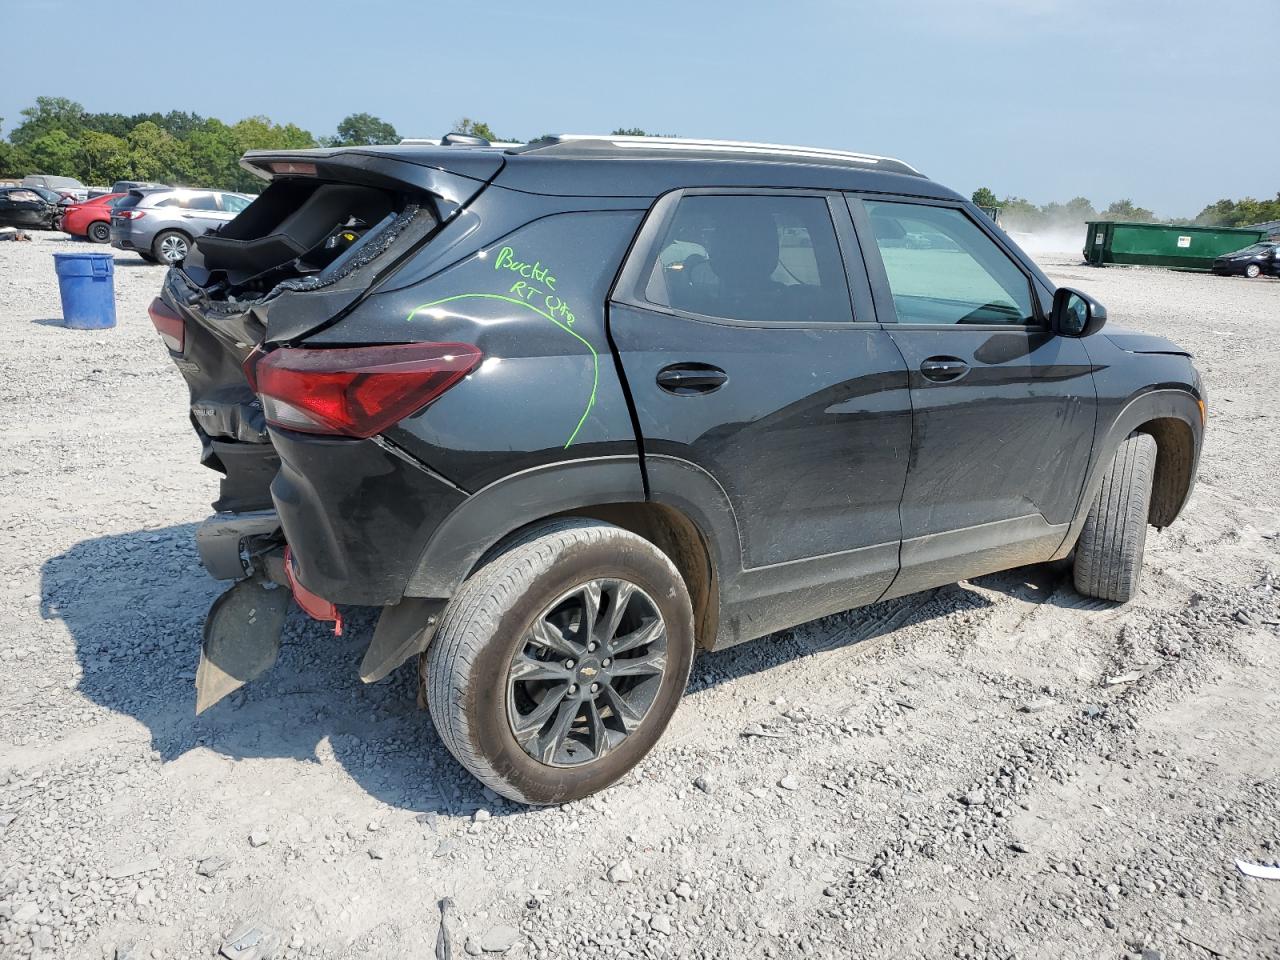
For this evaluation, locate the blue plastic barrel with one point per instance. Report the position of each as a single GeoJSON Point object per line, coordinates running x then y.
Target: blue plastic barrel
{"type": "Point", "coordinates": [86, 282]}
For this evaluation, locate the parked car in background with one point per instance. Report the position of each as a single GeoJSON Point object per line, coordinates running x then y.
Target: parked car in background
{"type": "Point", "coordinates": [159, 225]}
{"type": "Point", "coordinates": [53, 196]}
{"type": "Point", "coordinates": [124, 186]}
{"type": "Point", "coordinates": [91, 219]}
{"type": "Point", "coordinates": [64, 186]}
{"type": "Point", "coordinates": [1255, 260]}
{"type": "Point", "coordinates": [28, 207]}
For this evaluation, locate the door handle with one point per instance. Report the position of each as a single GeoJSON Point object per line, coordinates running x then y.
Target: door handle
{"type": "Point", "coordinates": [943, 369]}
{"type": "Point", "coordinates": [690, 379]}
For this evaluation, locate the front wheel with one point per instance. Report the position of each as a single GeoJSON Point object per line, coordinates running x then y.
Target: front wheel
{"type": "Point", "coordinates": [1252, 271]}
{"type": "Point", "coordinates": [99, 232]}
{"type": "Point", "coordinates": [558, 664]}
{"type": "Point", "coordinates": [1108, 562]}
{"type": "Point", "coordinates": [171, 246]}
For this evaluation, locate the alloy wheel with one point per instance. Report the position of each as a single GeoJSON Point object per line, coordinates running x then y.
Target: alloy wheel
{"type": "Point", "coordinates": [586, 672]}
{"type": "Point", "coordinates": [173, 249]}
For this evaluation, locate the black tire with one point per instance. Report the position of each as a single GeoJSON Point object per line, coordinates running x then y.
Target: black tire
{"type": "Point", "coordinates": [148, 258]}
{"type": "Point", "coordinates": [99, 232]}
{"type": "Point", "coordinates": [1108, 562]}
{"type": "Point", "coordinates": [465, 672]}
{"type": "Point", "coordinates": [1253, 271]}
{"type": "Point", "coordinates": [170, 246]}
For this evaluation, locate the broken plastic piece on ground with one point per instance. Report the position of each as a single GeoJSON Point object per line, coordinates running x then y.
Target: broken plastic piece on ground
{"type": "Point", "coordinates": [444, 944]}
{"type": "Point", "coordinates": [1123, 678]}
{"type": "Point", "coordinates": [312, 604]}
{"type": "Point", "coordinates": [758, 730]}
{"type": "Point", "coordinates": [250, 943]}
{"type": "Point", "coordinates": [1258, 871]}
{"type": "Point", "coordinates": [241, 639]}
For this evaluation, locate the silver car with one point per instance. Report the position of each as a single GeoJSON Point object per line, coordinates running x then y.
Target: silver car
{"type": "Point", "coordinates": [159, 225]}
{"type": "Point", "coordinates": [68, 187]}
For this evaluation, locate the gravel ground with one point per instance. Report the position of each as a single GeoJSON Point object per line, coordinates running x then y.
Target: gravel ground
{"type": "Point", "coordinates": [949, 774]}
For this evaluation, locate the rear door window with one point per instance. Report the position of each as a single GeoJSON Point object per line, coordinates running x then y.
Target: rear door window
{"type": "Point", "coordinates": [943, 269]}
{"type": "Point", "coordinates": [233, 204]}
{"type": "Point", "coordinates": [750, 258]}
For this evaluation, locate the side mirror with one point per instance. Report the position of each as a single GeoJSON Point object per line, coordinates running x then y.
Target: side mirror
{"type": "Point", "coordinates": [1076, 314]}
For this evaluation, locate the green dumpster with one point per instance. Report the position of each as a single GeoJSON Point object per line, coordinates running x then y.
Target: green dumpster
{"type": "Point", "coordinates": [1162, 245]}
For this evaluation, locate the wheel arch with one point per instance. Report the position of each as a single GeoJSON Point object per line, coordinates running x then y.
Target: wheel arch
{"type": "Point", "coordinates": [1176, 451]}
{"type": "Point", "coordinates": [677, 517]}
{"type": "Point", "coordinates": [1174, 418]}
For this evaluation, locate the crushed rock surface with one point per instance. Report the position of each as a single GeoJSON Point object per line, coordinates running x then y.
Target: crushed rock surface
{"type": "Point", "coordinates": [944, 775]}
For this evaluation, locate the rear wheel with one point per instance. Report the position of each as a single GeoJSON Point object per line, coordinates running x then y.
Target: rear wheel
{"type": "Point", "coordinates": [99, 231]}
{"type": "Point", "coordinates": [1108, 562]}
{"type": "Point", "coordinates": [558, 664]}
{"type": "Point", "coordinates": [1252, 271]}
{"type": "Point", "coordinates": [171, 246]}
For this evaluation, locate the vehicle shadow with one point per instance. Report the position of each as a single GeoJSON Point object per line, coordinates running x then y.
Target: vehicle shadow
{"type": "Point", "coordinates": [135, 605]}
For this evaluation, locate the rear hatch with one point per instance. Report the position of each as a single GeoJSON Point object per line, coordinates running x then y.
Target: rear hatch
{"type": "Point", "coordinates": [328, 228]}
{"type": "Point", "coordinates": [124, 213]}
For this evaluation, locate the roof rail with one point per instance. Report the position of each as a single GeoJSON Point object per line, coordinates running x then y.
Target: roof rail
{"type": "Point", "coordinates": [571, 144]}
{"type": "Point", "coordinates": [459, 140]}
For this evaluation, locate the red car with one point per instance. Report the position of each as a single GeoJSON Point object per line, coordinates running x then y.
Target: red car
{"type": "Point", "coordinates": [92, 218]}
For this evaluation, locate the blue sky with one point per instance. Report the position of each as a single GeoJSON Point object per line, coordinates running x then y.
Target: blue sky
{"type": "Point", "coordinates": [1172, 104]}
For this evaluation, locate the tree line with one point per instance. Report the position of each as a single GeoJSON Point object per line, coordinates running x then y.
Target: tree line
{"type": "Point", "coordinates": [58, 136]}
{"type": "Point", "coordinates": [1022, 215]}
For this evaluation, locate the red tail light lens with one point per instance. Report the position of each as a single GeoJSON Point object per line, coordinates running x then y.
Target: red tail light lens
{"type": "Point", "coordinates": [355, 391]}
{"type": "Point", "coordinates": [170, 326]}
{"type": "Point", "coordinates": [128, 214]}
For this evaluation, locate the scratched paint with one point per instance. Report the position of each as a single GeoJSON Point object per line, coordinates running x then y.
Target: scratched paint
{"type": "Point", "coordinates": [563, 324]}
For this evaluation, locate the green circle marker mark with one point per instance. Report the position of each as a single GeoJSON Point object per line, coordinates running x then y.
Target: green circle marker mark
{"type": "Point", "coordinates": [595, 357]}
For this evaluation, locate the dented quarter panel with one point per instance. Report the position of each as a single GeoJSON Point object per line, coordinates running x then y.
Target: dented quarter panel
{"type": "Point", "coordinates": [533, 300]}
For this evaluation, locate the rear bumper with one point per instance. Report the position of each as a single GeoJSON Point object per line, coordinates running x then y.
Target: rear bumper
{"type": "Point", "coordinates": [356, 516]}
{"type": "Point", "coordinates": [127, 238]}
{"type": "Point", "coordinates": [224, 541]}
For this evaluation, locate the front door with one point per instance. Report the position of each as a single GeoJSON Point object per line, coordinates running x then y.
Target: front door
{"type": "Point", "coordinates": [1004, 409]}
{"type": "Point", "coordinates": [747, 359]}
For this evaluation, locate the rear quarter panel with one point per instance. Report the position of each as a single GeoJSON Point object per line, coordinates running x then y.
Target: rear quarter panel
{"type": "Point", "coordinates": [533, 300]}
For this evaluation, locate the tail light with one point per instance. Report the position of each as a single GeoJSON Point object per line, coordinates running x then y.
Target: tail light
{"type": "Point", "coordinates": [128, 214]}
{"type": "Point", "coordinates": [169, 324]}
{"type": "Point", "coordinates": [355, 391]}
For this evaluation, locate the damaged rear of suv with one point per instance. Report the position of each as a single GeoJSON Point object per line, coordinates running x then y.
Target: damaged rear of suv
{"type": "Point", "coordinates": [569, 410]}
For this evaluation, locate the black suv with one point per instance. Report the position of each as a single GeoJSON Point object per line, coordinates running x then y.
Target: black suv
{"type": "Point", "coordinates": [571, 410]}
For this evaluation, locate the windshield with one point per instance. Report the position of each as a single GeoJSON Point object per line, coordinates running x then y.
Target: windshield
{"type": "Point", "coordinates": [1253, 249]}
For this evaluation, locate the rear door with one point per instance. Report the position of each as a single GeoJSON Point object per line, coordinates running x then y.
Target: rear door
{"type": "Point", "coordinates": [231, 205]}
{"type": "Point", "coordinates": [749, 357]}
{"type": "Point", "coordinates": [202, 212]}
{"type": "Point", "coordinates": [1004, 410]}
